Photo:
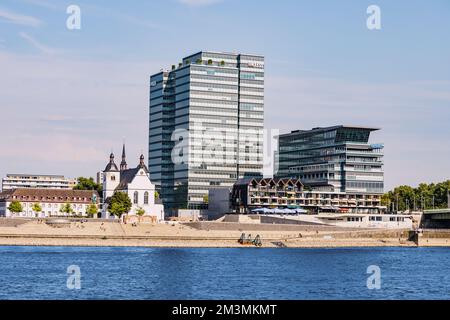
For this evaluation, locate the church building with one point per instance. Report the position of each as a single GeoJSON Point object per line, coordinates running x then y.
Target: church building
{"type": "Point", "coordinates": [135, 182]}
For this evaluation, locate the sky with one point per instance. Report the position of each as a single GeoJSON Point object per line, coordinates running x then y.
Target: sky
{"type": "Point", "coordinates": [69, 97]}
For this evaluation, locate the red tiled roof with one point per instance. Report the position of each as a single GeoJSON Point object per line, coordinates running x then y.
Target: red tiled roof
{"type": "Point", "coordinates": [48, 195]}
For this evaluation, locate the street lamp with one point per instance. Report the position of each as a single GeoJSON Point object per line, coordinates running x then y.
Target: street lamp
{"type": "Point", "coordinates": [397, 202]}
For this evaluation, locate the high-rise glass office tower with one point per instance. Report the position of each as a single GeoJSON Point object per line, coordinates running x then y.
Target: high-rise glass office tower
{"type": "Point", "coordinates": [338, 158]}
{"type": "Point", "coordinates": [206, 125]}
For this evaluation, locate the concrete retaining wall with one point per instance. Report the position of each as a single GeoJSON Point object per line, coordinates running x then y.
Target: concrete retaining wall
{"type": "Point", "coordinates": [278, 220]}
{"type": "Point", "coordinates": [206, 225]}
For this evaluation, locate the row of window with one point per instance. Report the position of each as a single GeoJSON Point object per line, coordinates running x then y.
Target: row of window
{"type": "Point", "coordinates": [136, 197]}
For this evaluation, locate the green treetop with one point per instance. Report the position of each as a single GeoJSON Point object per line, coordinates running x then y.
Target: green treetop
{"type": "Point", "coordinates": [15, 207]}
{"type": "Point", "coordinates": [425, 196]}
{"type": "Point", "coordinates": [66, 208]}
{"type": "Point", "coordinates": [140, 212]}
{"type": "Point", "coordinates": [36, 207]}
{"type": "Point", "coordinates": [92, 210]}
{"type": "Point", "coordinates": [88, 184]}
{"type": "Point", "coordinates": [119, 203]}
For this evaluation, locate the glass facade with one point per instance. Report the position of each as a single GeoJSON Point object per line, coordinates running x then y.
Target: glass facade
{"type": "Point", "coordinates": [336, 158]}
{"type": "Point", "coordinates": [206, 125]}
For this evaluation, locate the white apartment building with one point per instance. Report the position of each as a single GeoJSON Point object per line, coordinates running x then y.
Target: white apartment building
{"type": "Point", "coordinates": [24, 181]}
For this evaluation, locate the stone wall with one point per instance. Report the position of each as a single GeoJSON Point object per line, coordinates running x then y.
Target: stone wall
{"type": "Point", "coordinates": [206, 225]}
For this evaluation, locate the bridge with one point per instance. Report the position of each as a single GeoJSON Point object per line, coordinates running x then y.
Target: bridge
{"type": "Point", "coordinates": [436, 218]}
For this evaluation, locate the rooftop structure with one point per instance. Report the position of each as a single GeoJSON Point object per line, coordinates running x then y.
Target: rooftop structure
{"type": "Point", "coordinates": [22, 180]}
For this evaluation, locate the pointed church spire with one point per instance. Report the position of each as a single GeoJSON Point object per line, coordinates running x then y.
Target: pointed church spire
{"type": "Point", "coordinates": [141, 161]}
{"type": "Point", "coordinates": [123, 164]}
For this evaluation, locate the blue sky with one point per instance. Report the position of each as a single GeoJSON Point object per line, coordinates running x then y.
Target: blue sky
{"type": "Point", "coordinates": [68, 96]}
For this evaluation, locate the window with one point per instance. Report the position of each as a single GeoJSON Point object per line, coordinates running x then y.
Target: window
{"type": "Point", "coordinates": [135, 197]}
{"type": "Point", "coordinates": [113, 178]}
{"type": "Point", "coordinates": [146, 197]}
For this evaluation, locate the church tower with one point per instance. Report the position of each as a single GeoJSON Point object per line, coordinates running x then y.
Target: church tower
{"type": "Point", "coordinates": [123, 164]}
{"type": "Point", "coordinates": [111, 178]}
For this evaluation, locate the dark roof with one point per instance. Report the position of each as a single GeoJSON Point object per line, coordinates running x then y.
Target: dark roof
{"type": "Point", "coordinates": [51, 195]}
{"type": "Point", "coordinates": [127, 176]}
{"type": "Point", "coordinates": [246, 180]}
{"type": "Point", "coordinates": [111, 167]}
{"type": "Point", "coordinates": [324, 129]}
{"type": "Point", "coordinates": [123, 163]}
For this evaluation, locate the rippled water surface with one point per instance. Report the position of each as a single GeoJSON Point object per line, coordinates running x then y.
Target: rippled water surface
{"type": "Point", "coordinates": [250, 273]}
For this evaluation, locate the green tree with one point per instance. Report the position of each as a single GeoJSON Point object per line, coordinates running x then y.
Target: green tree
{"type": "Point", "coordinates": [425, 196]}
{"type": "Point", "coordinates": [92, 210]}
{"type": "Point", "coordinates": [66, 208]}
{"type": "Point", "coordinates": [36, 207]}
{"type": "Point", "coordinates": [119, 204]}
{"type": "Point", "coordinates": [88, 184]}
{"type": "Point", "coordinates": [205, 198]}
{"type": "Point", "coordinates": [140, 212]}
{"type": "Point", "coordinates": [15, 207]}
{"type": "Point", "coordinates": [156, 195]}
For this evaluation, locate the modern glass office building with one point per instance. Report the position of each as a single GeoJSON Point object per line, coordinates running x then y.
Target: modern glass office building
{"type": "Point", "coordinates": [338, 158]}
{"type": "Point", "coordinates": [206, 125]}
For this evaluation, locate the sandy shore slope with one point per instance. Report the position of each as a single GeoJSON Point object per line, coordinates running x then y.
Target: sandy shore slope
{"type": "Point", "coordinates": [92, 233]}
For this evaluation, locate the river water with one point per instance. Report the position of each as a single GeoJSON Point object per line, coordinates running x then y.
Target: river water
{"type": "Point", "coordinates": [209, 273]}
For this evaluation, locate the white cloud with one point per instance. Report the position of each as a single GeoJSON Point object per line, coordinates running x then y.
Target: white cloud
{"type": "Point", "coordinates": [107, 12]}
{"type": "Point", "coordinates": [19, 19]}
{"type": "Point", "coordinates": [66, 114]}
{"type": "Point", "coordinates": [41, 3]}
{"type": "Point", "coordinates": [413, 118]}
{"type": "Point", "coordinates": [36, 44]}
{"type": "Point", "coordinates": [198, 3]}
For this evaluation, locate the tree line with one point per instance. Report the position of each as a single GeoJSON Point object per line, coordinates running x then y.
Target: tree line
{"type": "Point", "coordinates": [425, 196]}
{"type": "Point", "coordinates": [16, 207]}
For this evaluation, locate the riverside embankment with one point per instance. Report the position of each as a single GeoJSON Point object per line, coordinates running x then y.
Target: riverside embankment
{"type": "Point", "coordinates": [194, 234]}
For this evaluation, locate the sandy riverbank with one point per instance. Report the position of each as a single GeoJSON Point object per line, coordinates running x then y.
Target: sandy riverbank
{"type": "Point", "coordinates": [218, 235]}
{"type": "Point", "coordinates": [197, 243]}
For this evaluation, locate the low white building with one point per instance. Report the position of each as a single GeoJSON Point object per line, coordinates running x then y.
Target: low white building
{"type": "Point", "coordinates": [20, 180]}
{"type": "Point", "coordinates": [349, 220]}
{"type": "Point", "coordinates": [136, 183]}
{"type": "Point", "coordinates": [49, 200]}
